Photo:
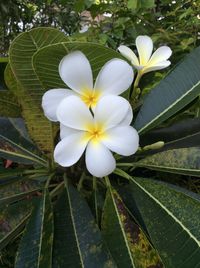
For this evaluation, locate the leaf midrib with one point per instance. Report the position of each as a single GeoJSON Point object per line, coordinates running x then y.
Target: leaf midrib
{"type": "Point", "coordinates": [73, 224]}
{"type": "Point", "coordinates": [122, 229]}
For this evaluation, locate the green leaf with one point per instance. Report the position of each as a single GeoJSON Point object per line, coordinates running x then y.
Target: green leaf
{"type": "Point", "coordinates": [30, 90]}
{"type": "Point", "coordinates": [48, 73]}
{"type": "Point", "coordinates": [132, 4]}
{"type": "Point", "coordinates": [184, 161]}
{"type": "Point", "coordinates": [15, 147]}
{"type": "Point", "coordinates": [35, 249]}
{"type": "Point", "coordinates": [3, 59]}
{"type": "Point", "coordinates": [171, 216]}
{"type": "Point", "coordinates": [17, 191]}
{"type": "Point", "coordinates": [147, 3]}
{"type": "Point", "coordinates": [96, 201]}
{"type": "Point", "coordinates": [173, 93]}
{"type": "Point", "coordinates": [10, 175]}
{"type": "Point", "coordinates": [12, 221]}
{"type": "Point", "coordinates": [77, 240]}
{"type": "Point", "coordinates": [11, 81]}
{"type": "Point", "coordinates": [8, 105]}
{"type": "Point", "coordinates": [125, 239]}
{"type": "Point", "coordinates": [179, 135]}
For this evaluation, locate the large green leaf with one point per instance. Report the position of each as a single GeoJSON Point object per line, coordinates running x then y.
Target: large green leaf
{"type": "Point", "coordinates": [29, 89]}
{"type": "Point", "coordinates": [12, 221]}
{"type": "Point", "coordinates": [78, 240]}
{"type": "Point", "coordinates": [11, 81]}
{"type": "Point", "coordinates": [35, 249]}
{"type": "Point", "coordinates": [48, 72]}
{"type": "Point", "coordinates": [8, 105]}
{"type": "Point", "coordinates": [184, 161]}
{"type": "Point", "coordinates": [125, 239]}
{"type": "Point", "coordinates": [173, 93]}
{"type": "Point", "coordinates": [172, 217]}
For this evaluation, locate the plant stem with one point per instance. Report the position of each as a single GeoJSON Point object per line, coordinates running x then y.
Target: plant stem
{"type": "Point", "coordinates": [107, 182]}
{"type": "Point", "coordinates": [48, 181]}
{"type": "Point", "coordinates": [124, 164]}
{"type": "Point", "coordinates": [122, 173]}
{"type": "Point", "coordinates": [57, 189]}
{"type": "Point", "coordinates": [135, 86]}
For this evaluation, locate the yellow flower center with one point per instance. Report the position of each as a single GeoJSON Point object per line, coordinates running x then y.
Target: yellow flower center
{"type": "Point", "coordinates": [90, 97]}
{"type": "Point", "coordinates": [95, 133]}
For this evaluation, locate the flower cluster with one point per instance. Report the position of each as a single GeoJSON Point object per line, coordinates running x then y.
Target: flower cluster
{"type": "Point", "coordinates": [93, 117]}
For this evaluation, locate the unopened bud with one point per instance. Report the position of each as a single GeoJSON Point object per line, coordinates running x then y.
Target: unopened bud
{"type": "Point", "coordinates": [154, 146]}
{"type": "Point", "coordinates": [138, 91]}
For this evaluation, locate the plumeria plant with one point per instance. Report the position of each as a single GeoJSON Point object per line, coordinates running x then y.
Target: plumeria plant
{"type": "Point", "coordinates": [85, 186]}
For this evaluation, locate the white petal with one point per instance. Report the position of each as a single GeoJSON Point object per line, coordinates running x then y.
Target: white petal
{"type": "Point", "coordinates": [51, 99]}
{"type": "Point", "coordinates": [73, 112]}
{"type": "Point", "coordinates": [75, 71]}
{"type": "Point", "coordinates": [128, 118]}
{"type": "Point", "coordinates": [69, 150]}
{"type": "Point", "coordinates": [115, 77]}
{"type": "Point", "coordinates": [66, 131]}
{"type": "Point", "coordinates": [158, 66]}
{"type": "Point", "coordinates": [144, 46]}
{"type": "Point", "coordinates": [161, 54]}
{"type": "Point", "coordinates": [123, 140]}
{"type": "Point", "coordinates": [128, 54]}
{"type": "Point", "coordinates": [111, 110]}
{"type": "Point", "coordinates": [99, 160]}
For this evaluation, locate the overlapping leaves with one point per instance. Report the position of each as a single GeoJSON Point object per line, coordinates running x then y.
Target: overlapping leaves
{"type": "Point", "coordinates": [173, 93]}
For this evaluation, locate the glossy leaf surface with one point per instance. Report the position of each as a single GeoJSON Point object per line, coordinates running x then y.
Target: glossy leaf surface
{"type": "Point", "coordinates": [78, 241]}
{"type": "Point", "coordinates": [184, 161]}
{"type": "Point", "coordinates": [171, 216]}
{"type": "Point", "coordinates": [35, 249]}
{"type": "Point", "coordinates": [125, 239]}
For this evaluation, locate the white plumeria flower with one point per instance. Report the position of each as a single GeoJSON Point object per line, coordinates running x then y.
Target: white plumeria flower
{"type": "Point", "coordinates": [114, 78]}
{"type": "Point", "coordinates": [147, 62]}
{"type": "Point", "coordinates": [108, 129]}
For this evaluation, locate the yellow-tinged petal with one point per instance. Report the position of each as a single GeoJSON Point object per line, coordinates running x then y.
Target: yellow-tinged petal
{"type": "Point", "coordinates": [129, 54]}
{"type": "Point", "coordinates": [99, 160]}
{"type": "Point", "coordinates": [51, 100]}
{"type": "Point", "coordinates": [123, 140]}
{"type": "Point", "coordinates": [111, 110]}
{"type": "Point", "coordinates": [76, 72]}
{"type": "Point", "coordinates": [69, 150]}
{"type": "Point", "coordinates": [158, 66]}
{"type": "Point", "coordinates": [160, 55]}
{"type": "Point", "coordinates": [144, 46]}
{"type": "Point", "coordinates": [74, 113]}
{"type": "Point", "coordinates": [115, 77]}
